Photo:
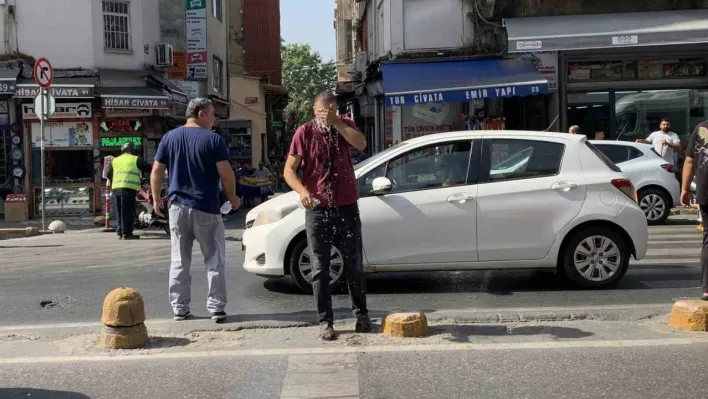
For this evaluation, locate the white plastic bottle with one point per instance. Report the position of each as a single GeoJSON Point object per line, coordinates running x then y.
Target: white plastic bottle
{"type": "Point", "coordinates": [226, 208]}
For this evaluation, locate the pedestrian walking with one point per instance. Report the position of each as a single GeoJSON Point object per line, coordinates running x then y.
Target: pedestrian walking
{"type": "Point", "coordinates": [664, 141]}
{"type": "Point", "coordinates": [124, 174]}
{"type": "Point", "coordinates": [329, 192]}
{"type": "Point", "coordinates": [575, 129]}
{"type": "Point", "coordinates": [197, 159]}
{"type": "Point", "coordinates": [696, 164]}
{"type": "Point", "coordinates": [262, 173]}
{"type": "Point", "coordinates": [599, 134]}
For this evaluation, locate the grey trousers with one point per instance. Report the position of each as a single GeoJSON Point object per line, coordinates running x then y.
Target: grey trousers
{"type": "Point", "coordinates": [187, 225]}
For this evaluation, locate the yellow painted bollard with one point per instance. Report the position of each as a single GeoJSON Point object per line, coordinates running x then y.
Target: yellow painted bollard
{"type": "Point", "coordinates": [123, 320]}
{"type": "Point", "coordinates": [413, 324]}
{"type": "Point", "coordinates": [690, 314]}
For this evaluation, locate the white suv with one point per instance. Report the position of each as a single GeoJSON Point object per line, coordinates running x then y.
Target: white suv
{"type": "Point", "coordinates": [472, 200]}
{"type": "Point", "coordinates": [658, 189]}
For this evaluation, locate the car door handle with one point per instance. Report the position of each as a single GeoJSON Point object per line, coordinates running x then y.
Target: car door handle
{"type": "Point", "coordinates": [563, 186]}
{"type": "Point", "coordinates": [460, 198]}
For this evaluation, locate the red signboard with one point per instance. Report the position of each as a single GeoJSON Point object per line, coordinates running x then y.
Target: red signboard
{"type": "Point", "coordinates": [43, 73]}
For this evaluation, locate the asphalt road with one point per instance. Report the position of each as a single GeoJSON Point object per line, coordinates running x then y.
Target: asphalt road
{"type": "Point", "coordinates": [64, 278]}
{"type": "Point", "coordinates": [614, 372]}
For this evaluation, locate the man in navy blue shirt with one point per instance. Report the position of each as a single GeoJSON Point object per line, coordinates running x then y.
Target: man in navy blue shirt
{"type": "Point", "coordinates": [196, 159]}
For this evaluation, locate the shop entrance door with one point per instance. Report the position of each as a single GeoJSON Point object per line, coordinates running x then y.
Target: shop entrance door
{"type": "Point", "coordinates": [590, 111]}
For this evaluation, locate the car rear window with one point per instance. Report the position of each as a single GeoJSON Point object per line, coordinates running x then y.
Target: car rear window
{"type": "Point", "coordinates": [607, 161]}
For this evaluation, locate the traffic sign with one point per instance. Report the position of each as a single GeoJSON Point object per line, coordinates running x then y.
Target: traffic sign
{"type": "Point", "coordinates": [43, 73]}
{"type": "Point", "coordinates": [44, 105]}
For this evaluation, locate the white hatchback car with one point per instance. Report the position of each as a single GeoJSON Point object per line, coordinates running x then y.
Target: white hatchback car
{"type": "Point", "coordinates": [472, 200]}
{"type": "Point", "coordinates": [658, 189]}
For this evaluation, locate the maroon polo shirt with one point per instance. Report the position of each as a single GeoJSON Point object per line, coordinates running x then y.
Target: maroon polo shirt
{"type": "Point", "coordinates": [327, 171]}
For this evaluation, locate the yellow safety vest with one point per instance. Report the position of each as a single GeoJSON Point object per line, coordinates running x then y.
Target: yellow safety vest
{"type": "Point", "coordinates": [125, 172]}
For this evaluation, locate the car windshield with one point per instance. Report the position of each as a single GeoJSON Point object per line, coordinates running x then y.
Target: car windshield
{"type": "Point", "coordinates": [379, 155]}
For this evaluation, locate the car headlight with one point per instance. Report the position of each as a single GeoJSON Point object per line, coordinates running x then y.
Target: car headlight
{"type": "Point", "coordinates": [272, 215]}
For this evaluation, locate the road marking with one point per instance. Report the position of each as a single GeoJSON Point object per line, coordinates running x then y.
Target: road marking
{"type": "Point", "coordinates": [321, 377]}
{"type": "Point", "coordinates": [629, 343]}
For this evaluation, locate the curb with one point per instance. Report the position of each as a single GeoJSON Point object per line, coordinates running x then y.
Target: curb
{"type": "Point", "coordinates": [6, 234]}
{"type": "Point", "coordinates": [683, 211]}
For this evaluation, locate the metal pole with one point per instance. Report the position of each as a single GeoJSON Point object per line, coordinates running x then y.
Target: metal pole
{"type": "Point", "coordinates": [43, 100]}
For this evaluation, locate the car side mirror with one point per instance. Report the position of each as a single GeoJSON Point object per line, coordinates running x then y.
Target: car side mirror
{"type": "Point", "coordinates": [381, 185]}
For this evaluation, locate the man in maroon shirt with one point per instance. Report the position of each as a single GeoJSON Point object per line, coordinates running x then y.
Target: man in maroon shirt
{"type": "Point", "coordinates": [329, 193]}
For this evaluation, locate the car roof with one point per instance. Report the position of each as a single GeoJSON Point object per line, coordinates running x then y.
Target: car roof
{"type": "Point", "coordinates": [643, 146]}
{"type": "Point", "coordinates": [471, 134]}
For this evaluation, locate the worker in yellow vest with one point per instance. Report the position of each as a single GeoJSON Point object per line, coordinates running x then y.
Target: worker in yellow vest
{"type": "Point", "coordinates": [124, 175]}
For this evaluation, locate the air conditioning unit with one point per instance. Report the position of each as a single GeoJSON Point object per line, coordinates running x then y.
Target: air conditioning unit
{"type": "Point", "coordinates": [164, 55]}
{"type": "Point", "coordinates": [361, 59]}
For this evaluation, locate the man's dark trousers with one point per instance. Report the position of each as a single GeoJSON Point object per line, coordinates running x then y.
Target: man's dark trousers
{"type": "Point", "coordinates": [704, 251]}
{"type": "Point", "coordinates": [125, 207]}
{"type": "Point", "coordinates": [341, 227]}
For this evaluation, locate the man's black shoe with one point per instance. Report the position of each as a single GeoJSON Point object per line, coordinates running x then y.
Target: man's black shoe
{"type": "Point", "coordinates": [363, 324]}
{"type": "Point", "coordinates": [181, 317]}
{"type": "Point", "coordinates": [218, 316]}
{"type": "Point", "coordinates": [120, 237]}
{"type": "Point", "coordinates": [131, 237]}
{"type": "Point", "coordinates": [327, 333]}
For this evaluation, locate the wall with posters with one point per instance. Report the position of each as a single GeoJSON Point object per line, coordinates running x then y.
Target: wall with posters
{"type": "Point", "coordinates": [63, 134]}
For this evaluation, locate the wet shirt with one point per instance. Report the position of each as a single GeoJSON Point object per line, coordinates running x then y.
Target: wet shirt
{"type": "Point", "coordinates": [664, 151]}
{"type": "Point", "coordinates": [697, 149]}
{"type": "Point", "coordinates": [191, 154]}
{"type": "Point", "coordinates": [327, 171]}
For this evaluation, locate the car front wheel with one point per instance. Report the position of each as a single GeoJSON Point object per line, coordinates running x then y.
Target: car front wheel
{"type": "Point", "coordinates": [301, 267]}
{"type": "Point", "coordinates": [596, 257]}
{"type": "Point", "coordinates": [655, 205]}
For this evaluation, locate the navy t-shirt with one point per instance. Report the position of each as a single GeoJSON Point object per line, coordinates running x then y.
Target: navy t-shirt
{"type": "Point", "coordinates": [191, 154]}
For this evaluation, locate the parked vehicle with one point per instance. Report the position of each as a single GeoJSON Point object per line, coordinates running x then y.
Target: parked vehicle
{"type": "Point", "coordinates": [145, 216]}
{"type": "Point", "coordinates": [520, 200]}
{"type": "Point", "coordinates": [658, 190]}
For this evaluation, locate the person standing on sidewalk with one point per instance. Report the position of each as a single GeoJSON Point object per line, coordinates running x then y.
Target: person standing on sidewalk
{"type": "Point", "coordinates": [664, 141]}
{"type": "Point", "coordinates": [696, 164]}
{"type": "Point", "coordinates": [197, 159]}
{"type": "Point", "coordinates": [329, 193]}
{"type": "Point", "coordinates": [124, 174]}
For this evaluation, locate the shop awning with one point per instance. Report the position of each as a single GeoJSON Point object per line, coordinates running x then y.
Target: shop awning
{"type": "Point", "coordinates": [133, 98]}
{"type": "Point", "coordinates": [460, 81]}
{"type": "Point", "coordinates": [577, 32]}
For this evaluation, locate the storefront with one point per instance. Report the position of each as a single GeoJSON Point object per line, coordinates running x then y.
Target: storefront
{"type": "Point", "coordinates": [69, 138]}
{"type": "Point", "coordinates": [432, 97]}
{"type": "Point", "coordinates": [619, 74]}
{"type": "Point", "coordinates": [12, 165]}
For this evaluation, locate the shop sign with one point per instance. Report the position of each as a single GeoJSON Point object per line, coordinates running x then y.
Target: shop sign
{"type": "Point", "coordinates": [529, 45]}
{"type": "Point", "coordinates": [251, 100]}
{"type": "Point", "coordinates": [467, 95]}
{"type": "Point", "coordinates": [7, 86]}
{"type": "Point", "coordinates": [135, 102]}
{"type": "Point", "coordinates": [121, 126]}
{"type": "Point", "coordinates": [625, 40]}
{"type": "Point", "coordinates": [276, 124]}
{"type": "Point", "coordinates": [119, 141]}
{"type": "Point", "coordinates": [58, 91]}
{"type": "Point", "coordinates": [126, 113]}
{"type": "Point", "coordinates": [178, 70]}
{"type": "Point", "coordinates": [546, 62]}
{"type": "Point", "coordinates": [63, 134]}
{"type": "Point", "coordinates": [62, 111]}
{"type": "Point", "coordinates": [196, 27]}
{"type": "Point", "coordinates": [429, 118]}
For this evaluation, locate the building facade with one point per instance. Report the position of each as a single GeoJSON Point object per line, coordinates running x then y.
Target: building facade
{"type": "Point", "coordinates": [254, 131]}
{"type": "Point", "coordinates": [515, 65]}
{"type": "Point", "coordinates": [118, 77]}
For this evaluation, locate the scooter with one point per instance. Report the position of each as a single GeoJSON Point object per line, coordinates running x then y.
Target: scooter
{"type": "Point", "coordinates": [145, 216]}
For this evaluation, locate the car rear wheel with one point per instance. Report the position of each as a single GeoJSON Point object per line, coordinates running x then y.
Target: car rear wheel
{"type": "Point", "coordinates": [655, 205]}
{"type": "Point", "coordinates": [301, 263]}
{"type": "Point", "coordinates": [596, 257]}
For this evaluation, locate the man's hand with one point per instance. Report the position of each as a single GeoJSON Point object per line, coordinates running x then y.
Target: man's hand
{"type": "Point", "coordinates": [332, 117]}
{"type": "Point", "coordinates": [306, 199]}
{"type": "Point", "coordinates": [686, 198]}
{"type": "Point", "coordinates": [234, 200]}
{"type": "Point", "coordinates": [640, 141]}
{"type": "Point", "coordinates": [156, 202]}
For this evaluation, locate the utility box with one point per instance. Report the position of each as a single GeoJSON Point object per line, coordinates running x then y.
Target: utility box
{"type": "Point", "coordinates": [16, 208]}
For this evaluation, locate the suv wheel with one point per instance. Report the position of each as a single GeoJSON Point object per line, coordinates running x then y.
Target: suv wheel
{"type": "Point", "coordinates": [301, 267]}
{"type": "Point", "coordinates": [596, 257]}
{"type": "Point", "coordinates": [655, 204]}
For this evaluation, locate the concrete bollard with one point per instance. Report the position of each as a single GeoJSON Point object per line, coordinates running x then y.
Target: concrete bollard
{"type": "Point", "coordinates": [57, 226]}
{"type": "Point", "coordinates": [690, 314]}
{"type": "Point", "coordinates": [123, 320]}
{"type": "Point", "coordinates": [413, 324]}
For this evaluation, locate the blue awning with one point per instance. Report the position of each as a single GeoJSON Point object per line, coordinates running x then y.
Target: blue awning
{"type": "Point", "coordinates": [460, 81]}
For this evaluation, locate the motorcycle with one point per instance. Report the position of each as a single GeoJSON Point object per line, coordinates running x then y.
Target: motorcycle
{"type": "Point", "coordinates": [145, 216]}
